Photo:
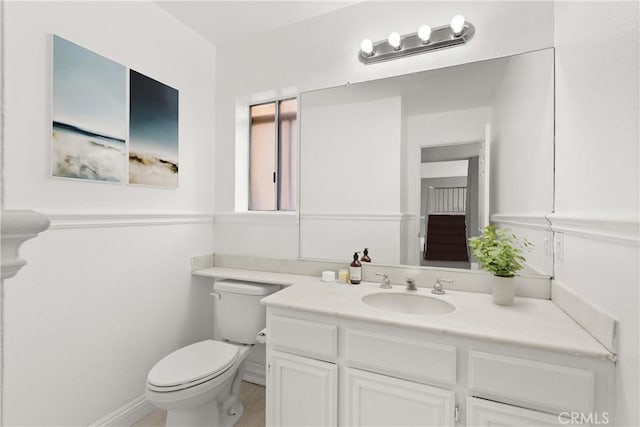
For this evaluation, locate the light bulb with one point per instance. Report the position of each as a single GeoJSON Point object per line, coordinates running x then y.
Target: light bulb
{"type": "Point", "coordinates": [424, 33]}
{"type": "Point", "coordinates": [367, 47]}
{"type": "Point", "coordinates": [394, 40]}
{"type": "Point", "coordinates": [457, 24]}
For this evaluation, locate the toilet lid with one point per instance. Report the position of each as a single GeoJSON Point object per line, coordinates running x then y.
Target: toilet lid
{"type": "Point", "coordinates": [193, 362]}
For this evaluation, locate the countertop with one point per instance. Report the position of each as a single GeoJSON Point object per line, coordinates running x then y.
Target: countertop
{"type": "Point", "coordinates": [530, 322]}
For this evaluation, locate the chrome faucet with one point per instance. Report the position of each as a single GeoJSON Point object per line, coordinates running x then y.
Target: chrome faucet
{"type": "Point", "coordinates": [386, 283]}
{"type": "Point", "coordinates": [438, 288]}
{"type": "Point", "coordinates": [411, 284]}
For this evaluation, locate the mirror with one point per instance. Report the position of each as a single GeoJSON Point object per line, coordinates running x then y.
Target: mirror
{"type": "Point", "coordinates": [411, 166]}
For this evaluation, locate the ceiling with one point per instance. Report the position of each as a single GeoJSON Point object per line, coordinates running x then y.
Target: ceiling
{"type": "Point", "coordinates": [222, 21]}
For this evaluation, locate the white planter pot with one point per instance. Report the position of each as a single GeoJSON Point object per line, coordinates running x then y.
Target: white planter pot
{"type": "Point", "coordinates": [504, 289]}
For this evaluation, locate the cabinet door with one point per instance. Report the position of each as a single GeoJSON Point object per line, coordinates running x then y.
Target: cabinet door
{"type": "Point", "coordinates": [304, 391]}
{"type": "Point", "coordinates": [378, 400]}
{"type": "Point", "coordinates": [485, 413]}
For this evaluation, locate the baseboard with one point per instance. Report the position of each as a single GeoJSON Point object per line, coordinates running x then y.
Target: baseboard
{"type": "Point", "coordinates": [127, 414]}
{"type": "Point", "coordinates": [255, 373]}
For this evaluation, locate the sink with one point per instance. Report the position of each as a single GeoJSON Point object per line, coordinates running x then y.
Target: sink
{"type": "Point", "coordinates": [407, 303]}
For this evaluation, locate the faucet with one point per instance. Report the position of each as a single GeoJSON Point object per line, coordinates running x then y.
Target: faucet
{"type": "Point", "coordinates": [411, 285]}
{"type": "Point", "coordinates": [438, 288]}
{"type": "Point", "coordinates": [386, 283]}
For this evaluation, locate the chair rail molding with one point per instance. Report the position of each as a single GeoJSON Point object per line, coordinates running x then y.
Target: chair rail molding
{"type": "Point", "coordinates": [613, 228]}
{"type": "Point", "coordinates": [533, 220]}
{"type": "Point", "coordinates": [77, 220]}
{"type": "Point", "coordinates": [18, 226]}
{"type": "Point", "coordinates": [354, 216]}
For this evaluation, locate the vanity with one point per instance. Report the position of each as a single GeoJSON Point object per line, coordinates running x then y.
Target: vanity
{"type": "Point", "coordinates": [342, 355]}
{"type": "Point", "coordinates": [333, 359]}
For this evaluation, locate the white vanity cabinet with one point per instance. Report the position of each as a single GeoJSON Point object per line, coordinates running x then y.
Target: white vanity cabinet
{"type": "Point", "coordinates": [302, 376]}
{"type": "Point", "coordinates": [303, 391]}
{"type": "Point", "coordinates": [380, 400]}
{"type": "Point", "coordinates": [375, 379]}
{"type": "Point", "coordinates": [328, 370]}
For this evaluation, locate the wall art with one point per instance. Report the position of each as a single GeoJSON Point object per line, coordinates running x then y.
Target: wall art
{"type": "Point", "coordinates": [89, 114]}
{"type": "Point", "coordinates": [153, 132]}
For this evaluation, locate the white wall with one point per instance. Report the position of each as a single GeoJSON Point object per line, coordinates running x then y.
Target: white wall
{"type": "Point", "coordinates": [444, 169]}
{"type": "Point", "coordinates": [357, 157]}
{"type": "Point", "coordinates": [347, 149]}
{"type": "Point", "coordinates": [448, 127]}
{"type": "Point", "coordinates": [597, 190]}
{"type": "Point", "coordinates": [107, 291]}
{"type": "Point", "coordinates": [522, 136]}
{"type": "Point", "coordinates": [522, 153]}
{"type": "Point", "coordinates": [286, 59]}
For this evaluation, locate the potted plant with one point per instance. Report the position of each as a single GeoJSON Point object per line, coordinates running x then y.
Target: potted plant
{"type": "Point", "coordinates": [500, 253]}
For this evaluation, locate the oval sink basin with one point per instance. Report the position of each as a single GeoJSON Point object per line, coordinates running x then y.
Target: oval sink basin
{"type": "Point", "coordinates": [407, 303]}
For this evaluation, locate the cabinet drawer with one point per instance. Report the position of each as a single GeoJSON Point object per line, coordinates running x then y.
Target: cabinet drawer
{"type": "Point", "coordinates": [308, 338]}
{"type": "Point", "coordinates": [413, 360]}
{"type": "Point", "coordinates": [531, 384]}
{"type": "Point", "coordinates": [484, 413]}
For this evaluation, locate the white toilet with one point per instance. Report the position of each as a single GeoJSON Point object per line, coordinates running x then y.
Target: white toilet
{"type": "Point", "coordinates": [199, 385]}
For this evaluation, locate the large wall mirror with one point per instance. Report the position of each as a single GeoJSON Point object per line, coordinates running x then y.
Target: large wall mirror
{"type": "Point", "coordinates": [413, 165]}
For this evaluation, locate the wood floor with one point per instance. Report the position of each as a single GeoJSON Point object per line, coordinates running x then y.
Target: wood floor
{"type": "Point", "coordinates": [252, 395]}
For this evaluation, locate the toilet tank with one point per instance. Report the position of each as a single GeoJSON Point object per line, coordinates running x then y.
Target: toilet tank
{"type": "Point", "coordinates": [238, 314]}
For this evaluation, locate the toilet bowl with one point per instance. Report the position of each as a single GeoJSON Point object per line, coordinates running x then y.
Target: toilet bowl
{"type": "Point", "coordinates": [196, 393]}
{"type": "Point", "coordinates": [199, 385]}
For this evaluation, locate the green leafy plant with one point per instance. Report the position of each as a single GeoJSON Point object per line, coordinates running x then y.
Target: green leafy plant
{"type": "Point", "coordinates": [499, 251]}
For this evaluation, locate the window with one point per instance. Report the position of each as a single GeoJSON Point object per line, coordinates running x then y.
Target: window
{"type": "Point", "coordinates": [273, 157]}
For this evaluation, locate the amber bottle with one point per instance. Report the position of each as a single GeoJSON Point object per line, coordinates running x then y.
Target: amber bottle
{"type": "Point", "coordinates": [355, 270]}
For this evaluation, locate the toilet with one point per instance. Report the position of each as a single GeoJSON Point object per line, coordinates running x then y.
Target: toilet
{"type": "Point", "coordinates": [199, 385]}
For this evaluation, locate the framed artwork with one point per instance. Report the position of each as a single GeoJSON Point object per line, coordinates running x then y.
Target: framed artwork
{"type": "Point", "coordinates": [89, 115]}
{"type": "Point", "coordinates": [153, 132]}
{"type": "Point", "coordinates": [93, 138]}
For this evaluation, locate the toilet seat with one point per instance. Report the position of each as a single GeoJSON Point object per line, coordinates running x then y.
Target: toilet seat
{"type": "Point", "coordinates": [192, 365]}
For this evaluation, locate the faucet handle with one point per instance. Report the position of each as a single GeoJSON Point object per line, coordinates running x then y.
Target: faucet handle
{"type": "Point", "coordinates": [438, 288]}
{"type": "Point", "coordinates": [386, 283]}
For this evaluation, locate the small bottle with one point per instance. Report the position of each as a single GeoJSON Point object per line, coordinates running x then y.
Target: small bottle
{"type": "Point", "coordinates": [365, 256]}
{"type": "Point", "coordinates": [355, 270]}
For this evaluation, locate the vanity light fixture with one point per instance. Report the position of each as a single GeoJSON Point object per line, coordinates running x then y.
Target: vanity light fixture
{"type": "Point", "coordinates": [395, 41]}
{"type": "Point", "coordinates": [424, 33]}
{"type": "Point", "coordinates": [426, 39]}
{"type": "Point", "coordinates": [457, 24]}
{"type": "Point", "coordinates": [366, 47]}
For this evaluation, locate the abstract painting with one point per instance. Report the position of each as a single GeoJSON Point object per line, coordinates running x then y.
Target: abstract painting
{"type": "Point", "coordinates": [153, 132]}
{"type": "Point", "coordinates": [89, 114]}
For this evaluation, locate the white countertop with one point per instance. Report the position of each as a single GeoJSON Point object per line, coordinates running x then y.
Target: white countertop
{"type": "Point", "coordinates": [530, 322]}
{"type": "Point", "coordinates": [266, 277]}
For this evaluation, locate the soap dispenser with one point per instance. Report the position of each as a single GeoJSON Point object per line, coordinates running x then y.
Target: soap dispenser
{"type": "Point", "coordinates": [365, 256]}
{"type": "Point", "coordinates": [355, 270]}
